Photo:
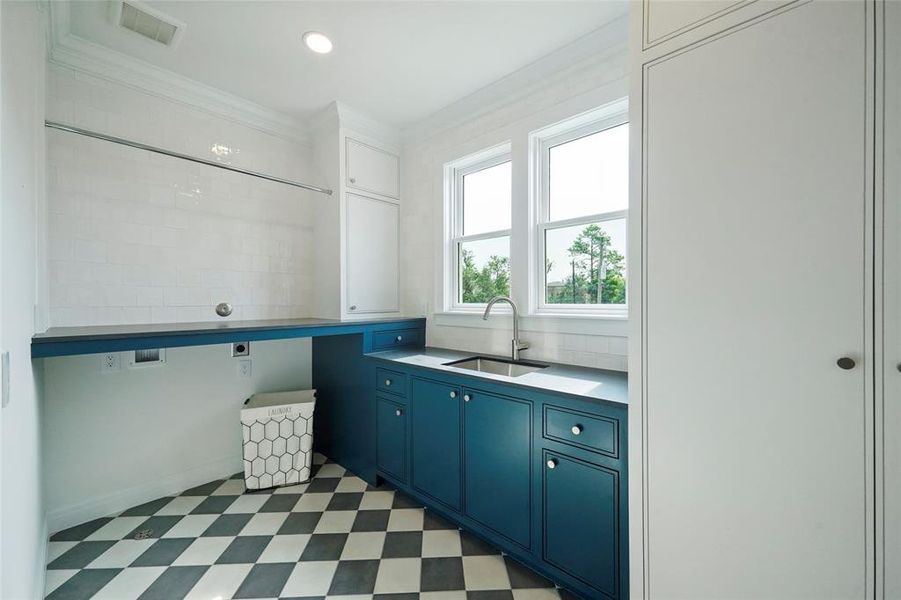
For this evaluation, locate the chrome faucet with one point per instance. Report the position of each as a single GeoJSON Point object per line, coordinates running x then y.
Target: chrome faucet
{"type": "Point", "coordinates": [516, 345]}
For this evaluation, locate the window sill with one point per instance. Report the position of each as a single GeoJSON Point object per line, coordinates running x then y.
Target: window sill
{"type": "Point", "coordinates": [614, 326]}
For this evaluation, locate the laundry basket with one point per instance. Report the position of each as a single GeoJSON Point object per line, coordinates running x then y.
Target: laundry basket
{"type": "Point", "coordinates": [278, 438]}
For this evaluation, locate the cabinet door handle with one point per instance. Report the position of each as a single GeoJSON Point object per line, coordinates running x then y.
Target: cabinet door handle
{"type": "Point", "coordinates": [398, 412]}
{"type": "Point", "coordinates": [466, 397]}
{"type": "Point", "coordinates": [353, 180]}
{"type": "Point", "coordinates": [387, 382]}
{"type": "Point", "coordinates": [353, 307]}
{"type": "Point", "coordinates": [846, 363]}
{"type": "Point", "coordinates": [552, 463]}
{"type": "Point", "coordinates": [398, 338]}
{"type": "Point", "coordinates": [453, 394]}
{"type": "Point", "coordinates": [576, 429]}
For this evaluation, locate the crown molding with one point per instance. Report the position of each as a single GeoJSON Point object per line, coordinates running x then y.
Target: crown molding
{"type": "Point", "coordinates": [587, 53]}
{"type": "Point", "coordinates": [338, 114]}
{"type": "Point", "coordinates": [73, 52]}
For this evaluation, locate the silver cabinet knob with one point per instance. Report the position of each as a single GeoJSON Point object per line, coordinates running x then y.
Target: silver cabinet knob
{"type": "Point", "coordinates": [453, 394]}
{"type": "Point", "coordinates": [399, 412]}
{"type": "Point", "coordinates": [552, 463]}
{"type": "Point", "coordinates": [846, 363]}
{"type": "Point", "coordinates": [387, 382]}
{"type": "Point", "coordinates": [466, 398]}
{"type": "Point", "coordinates": [353, 180]}
{"type": "Point", "coordinates": [577, 429]}
{"type": "Point", "coordinates": [399, 338]}
{"type": "Point", "coordinates": [353, 307]}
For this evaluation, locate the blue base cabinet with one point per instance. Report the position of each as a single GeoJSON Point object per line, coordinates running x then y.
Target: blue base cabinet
{"type": "Point", "coordinates": [584, 546]}
{"type": "Point", "coordinates": [436, 429]}
{"type": "Point", "coordinates": [391, 438]}
{"type": "Point", "coordinates": [497, 434]}
{"type": "Point", "coordinates": [542, 476]}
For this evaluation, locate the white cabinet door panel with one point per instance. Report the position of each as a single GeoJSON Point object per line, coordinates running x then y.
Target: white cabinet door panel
{"type": "Point", "coordinates": [371, 169]}
{"type": "Point", "coordinates": [891, 305]}
{"type": "Point", "coordinates": [372, 255]}
{"type": "Point", "coordinates": [755, 225]}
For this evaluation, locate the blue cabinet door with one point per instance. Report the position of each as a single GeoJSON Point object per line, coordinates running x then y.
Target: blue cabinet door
{"type": "Point", "coordinates": [497, 450]}
{"type": "Point", "coordinates": [436, 429]}
{"type": "Point", "coordinates": [391, 438]}
{"type": "Point", "coordinates": [581, 532]}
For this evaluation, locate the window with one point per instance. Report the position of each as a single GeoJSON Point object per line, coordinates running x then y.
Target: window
{"type": "Point", "coordinates": [582, 188]}
{"type": "Point", "coordinates": [480, 194]}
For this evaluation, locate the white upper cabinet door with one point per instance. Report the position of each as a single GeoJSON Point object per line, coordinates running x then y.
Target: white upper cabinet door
{"type": "Point", "coordinates": [372, 255]}
{"type": "Point", "coordinates": [371, 169]}
{"type": "Point", "coordinates": [757, 281]}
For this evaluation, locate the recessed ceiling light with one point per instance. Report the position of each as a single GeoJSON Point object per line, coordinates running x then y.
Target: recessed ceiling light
{"type": "Point", "coordinates": [317, 42]}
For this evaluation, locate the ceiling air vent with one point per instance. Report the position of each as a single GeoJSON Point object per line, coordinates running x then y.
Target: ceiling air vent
{"type": "Point", "coordinates": [148, 22]}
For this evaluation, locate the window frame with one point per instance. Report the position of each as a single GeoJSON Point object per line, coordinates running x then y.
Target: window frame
{"type": "Point", "coordinates": [541, 142]}
{"type": "Point", "coordinates": [454, 173]}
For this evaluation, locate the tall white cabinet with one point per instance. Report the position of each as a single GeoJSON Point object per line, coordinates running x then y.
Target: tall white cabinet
{"type": "Point", "coordinates": [753, 412]}
{"type": "Point", "coordinates": [888, 303]}
{"type": "Point", "coordinates": [357, 234]}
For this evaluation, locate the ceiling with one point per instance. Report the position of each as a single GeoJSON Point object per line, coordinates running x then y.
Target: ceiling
{"type": "Point", "coordinates": [396, 61]}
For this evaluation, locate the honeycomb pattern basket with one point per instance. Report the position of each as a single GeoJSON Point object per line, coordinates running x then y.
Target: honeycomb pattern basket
{"type": "Point", "coordinates": [278, 449]}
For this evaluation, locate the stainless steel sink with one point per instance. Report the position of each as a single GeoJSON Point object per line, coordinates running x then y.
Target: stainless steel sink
{"type": "Point", "coordinates": [496, 366]}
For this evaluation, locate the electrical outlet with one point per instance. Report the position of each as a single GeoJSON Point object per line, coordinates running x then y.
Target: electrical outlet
{"type": "Point", "coordinates": [245, 369]}
{"type": "Point", "coordinates": [241, 349]}
{"type": "Point", "coordinates": [109, 363]}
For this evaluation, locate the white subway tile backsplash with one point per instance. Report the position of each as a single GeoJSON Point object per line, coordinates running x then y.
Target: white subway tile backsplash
{"type": "Point", "coordinates": [136, 237]}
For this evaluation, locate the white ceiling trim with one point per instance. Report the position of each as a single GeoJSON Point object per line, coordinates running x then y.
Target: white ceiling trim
{"type": "Point", "coordinates": [71, 51]}
{"type": "Point", "coordinates": [584, 53]}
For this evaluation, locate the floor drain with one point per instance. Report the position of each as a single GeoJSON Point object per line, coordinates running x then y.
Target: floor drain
{"type": "Point", "coordinates": [143, 534]}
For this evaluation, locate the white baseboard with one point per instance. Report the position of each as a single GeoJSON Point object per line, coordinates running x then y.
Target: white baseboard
{"type": "Point", "coordinates": [111, 504]}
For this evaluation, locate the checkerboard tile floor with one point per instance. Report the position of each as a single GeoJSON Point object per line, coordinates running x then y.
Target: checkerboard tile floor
{"type": "Point", "coordinates": [333, 537]}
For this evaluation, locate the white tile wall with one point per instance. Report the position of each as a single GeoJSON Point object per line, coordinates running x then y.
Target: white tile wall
{"type": "Point", "coordinates": [136, 237]}
{"type": "Point", "coordinates": [421, 213]}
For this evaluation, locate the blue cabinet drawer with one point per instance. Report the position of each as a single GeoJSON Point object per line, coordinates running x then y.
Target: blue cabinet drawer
{"type": "Point", "coordinates": [392, 382]}
{"type": "Point", "coordinates": [391, 438]}
{"type": "Point", "coordinates": [397, 338]}
{"type": "Point", "coordinates": [592, 432]}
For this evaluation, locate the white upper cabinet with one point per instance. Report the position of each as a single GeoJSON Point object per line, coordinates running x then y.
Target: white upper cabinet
{"type": "Point", "coordinates": [372, 255]}
{"type": "Point", "coordinates": [371, 169]}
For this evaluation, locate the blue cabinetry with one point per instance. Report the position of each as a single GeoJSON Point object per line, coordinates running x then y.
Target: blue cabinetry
{"type": "Point", "coordinates": [539, 474]}
{"type": "Point", "coordinates": [580, 520]}
{"type": "Point", "coordinates": [436, 432]}
{"type": "Point", "coordinates": [391, 438]}
{"type": "Point", "coordinates": [497, 433]}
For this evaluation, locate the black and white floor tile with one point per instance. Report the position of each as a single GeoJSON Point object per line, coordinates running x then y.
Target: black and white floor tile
{"type": "Point", "coordinates": [333, 537]}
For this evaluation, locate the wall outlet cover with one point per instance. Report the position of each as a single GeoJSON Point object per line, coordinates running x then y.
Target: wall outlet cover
{"type": "Point", "coordinates": [245, 369]}
{"type": "Point", "coordinates": [110, 363]}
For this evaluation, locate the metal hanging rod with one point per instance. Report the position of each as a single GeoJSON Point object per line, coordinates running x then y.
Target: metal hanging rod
{"type": "Point", "coordinates": [202, 161]}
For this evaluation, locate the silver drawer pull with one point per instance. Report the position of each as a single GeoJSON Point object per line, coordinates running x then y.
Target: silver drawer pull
{"type": "Point", "coordinates": [398, 338]}
{"type": "Point", "coordinates": [577, 429]}
{"type": "Point", "coordinates": [466, 397]}
{"type": "Point", "coordinates": [399, 412]}
{"type": "Point", "coordinates": [388, 382]}
{"type": "Point", "coordinates": [453, 394]}
{"type": "Point", "coordinates": [552, 463]}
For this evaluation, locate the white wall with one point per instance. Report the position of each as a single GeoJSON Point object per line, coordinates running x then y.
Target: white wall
{"type": "Point", "coordinates": [115, 440]}
{"type": "Point", "coordinates": [137, 237]}
{"type": "Point", "coordinates": [22, 77]}
{"type": "Point", "coordinates": [573, 90]}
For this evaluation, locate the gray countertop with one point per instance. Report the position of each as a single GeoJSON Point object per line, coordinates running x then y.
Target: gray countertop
{"type": "Point", "coordinates": [592, 384]}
